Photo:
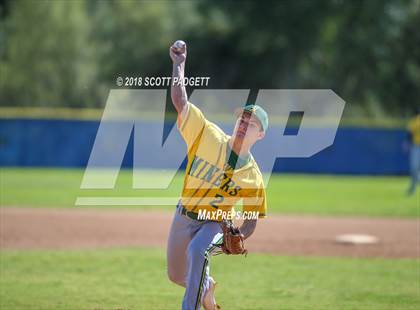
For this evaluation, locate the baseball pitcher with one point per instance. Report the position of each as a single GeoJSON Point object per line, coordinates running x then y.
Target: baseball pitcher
{"type": "Point", "coordinates": [220, 172]}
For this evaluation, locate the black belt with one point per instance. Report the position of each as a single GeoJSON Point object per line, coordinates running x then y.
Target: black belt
{"type": "Point", "coordinates": [190, 214]}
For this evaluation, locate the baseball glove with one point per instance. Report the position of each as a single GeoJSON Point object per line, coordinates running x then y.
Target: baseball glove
{"type": "Point", "coordinates": [233, 239]}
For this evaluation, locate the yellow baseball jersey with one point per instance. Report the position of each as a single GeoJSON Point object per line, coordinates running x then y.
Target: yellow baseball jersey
{"type": "Point", "coordinates": [210, 183]}
{"type": "Point", "coordinates": [414, 128]}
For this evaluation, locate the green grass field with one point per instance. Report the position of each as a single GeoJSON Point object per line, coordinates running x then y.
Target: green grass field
{"type": "Point", "coordinates": [136, 279]}
{"type": "Point", "coordinates": [295, 194]}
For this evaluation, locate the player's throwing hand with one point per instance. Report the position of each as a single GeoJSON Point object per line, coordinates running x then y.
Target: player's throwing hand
{"type": "Point", "coordinates": [178, 52]}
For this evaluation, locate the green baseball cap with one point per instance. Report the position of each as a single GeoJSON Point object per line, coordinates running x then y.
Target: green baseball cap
{"type": "Point", "coordinates": [257, 111]}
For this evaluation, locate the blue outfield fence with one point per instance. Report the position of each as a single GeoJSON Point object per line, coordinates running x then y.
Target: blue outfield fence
{"type": "Point", "coordinates": [68, 143]}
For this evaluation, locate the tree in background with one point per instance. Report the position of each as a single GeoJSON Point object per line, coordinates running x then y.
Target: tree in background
{"type": "Point", "coordinates": [369, 52]}
{"type": "Point", "coordinates": [47, 59]}
{"type": "Point", "coordinates": [132, 38]}
{"type": "Point", "coordinates": [69, 53]}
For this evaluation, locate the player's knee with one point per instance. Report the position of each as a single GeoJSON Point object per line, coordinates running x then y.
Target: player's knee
{"type": "Point", "coordinates": [176, 278]}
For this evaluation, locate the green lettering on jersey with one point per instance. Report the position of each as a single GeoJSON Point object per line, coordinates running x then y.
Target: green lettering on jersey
{"type": "Point", "coordinates": [210, 173]}
{"type": "Point", "coordinates": [196, 162]}
{"type": "Point", "coordinates": [219, 179]}
{"type": "Point", "coordinates": [202, 168]}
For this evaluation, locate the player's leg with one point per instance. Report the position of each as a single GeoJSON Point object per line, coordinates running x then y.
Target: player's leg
{"type": "Point", "coordinates": [178, 240]}
{"type": "Point", "coordinates": [208, 299]}
{"type": "Point", "coordinates": [199, 252]}
{"type": "Point", "coordinates": [417, 162]}
{"type": "Point", "coordinates": [414, 168]}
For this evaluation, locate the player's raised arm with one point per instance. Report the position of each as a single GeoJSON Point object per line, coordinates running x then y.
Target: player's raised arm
{"type": "Point", "coordinates": [178, 53]}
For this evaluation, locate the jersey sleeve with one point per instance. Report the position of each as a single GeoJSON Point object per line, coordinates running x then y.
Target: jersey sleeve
{"type": "Point", "coordinates": [190, 123]}
{"type": "Point", "coordinates": [256, 202]}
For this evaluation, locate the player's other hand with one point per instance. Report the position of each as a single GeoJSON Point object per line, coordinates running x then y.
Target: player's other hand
{"type": "Point", "coordinates": [178, 53]}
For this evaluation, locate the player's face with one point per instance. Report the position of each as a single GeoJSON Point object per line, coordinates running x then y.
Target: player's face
{"type": "Point", "coordinates": [247, 129]}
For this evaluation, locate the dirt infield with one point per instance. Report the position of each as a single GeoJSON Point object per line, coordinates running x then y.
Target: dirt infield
{"type": "Point", "coordinates": [30, 228]}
